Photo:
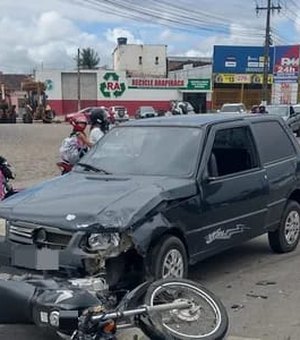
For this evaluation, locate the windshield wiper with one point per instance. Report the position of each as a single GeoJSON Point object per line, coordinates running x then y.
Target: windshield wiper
{"type": "Point", "coordinates": [93, 168]}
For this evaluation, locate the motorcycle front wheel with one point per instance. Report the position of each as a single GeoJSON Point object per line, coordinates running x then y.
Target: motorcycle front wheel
{"type": "Point", "coordinates": [206, 319]}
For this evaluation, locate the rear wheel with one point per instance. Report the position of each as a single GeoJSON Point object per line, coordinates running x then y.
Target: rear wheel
{"type": "Point", "coordinates": [286, 237]}
{"type": "Point", "coordinates": [205, 319]}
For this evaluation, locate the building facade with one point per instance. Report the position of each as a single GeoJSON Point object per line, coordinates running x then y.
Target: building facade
{"type": "Point", "coordinates": [140, 60]}
{"type": "Point", "coordinates": [109, 88]}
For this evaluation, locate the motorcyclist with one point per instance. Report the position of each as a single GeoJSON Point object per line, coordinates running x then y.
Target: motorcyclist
{"type": "Point", "coordinates": [99, 125]}
{"type": "Point", "coordinates": [262, 109]}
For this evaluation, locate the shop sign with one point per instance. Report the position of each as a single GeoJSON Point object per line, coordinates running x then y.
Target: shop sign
{"type": "Point", "coordinates": [166, 83]}
{"type": "Point", "coordinates": [231, 78]}
{"type": "Point", "coordinates": [286, 66]}
{"type": "Point", "coordinates": [199, 84]}
{"type": "Point", "coordinates": [155, 83]}
{"type": "Point", "coordinates": [111, 86]}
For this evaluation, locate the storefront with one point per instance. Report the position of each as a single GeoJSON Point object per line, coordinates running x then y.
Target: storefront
{"type": "Point", "coordinates": [110, 88]}
{"type": "Point", "coordinates": [238, 75]}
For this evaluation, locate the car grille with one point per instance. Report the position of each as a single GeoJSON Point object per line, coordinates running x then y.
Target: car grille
{"type": "Point", "coordinates": [121, 113]}
{"type": "Point", "coordinates": [28, 233]}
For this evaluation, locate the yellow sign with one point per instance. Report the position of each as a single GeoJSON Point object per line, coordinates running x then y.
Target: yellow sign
{"type": "Point", "coordinates": [231, 78]}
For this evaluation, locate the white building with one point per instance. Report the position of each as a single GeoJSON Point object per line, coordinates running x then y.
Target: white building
{"type": "Point", "coordinates": [140, 60]}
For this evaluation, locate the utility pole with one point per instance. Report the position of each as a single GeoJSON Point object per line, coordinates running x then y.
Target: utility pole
{"type": "Point", "coordinates": [78, 81]}
{"type": "Point", "coordinates": [268, 41]}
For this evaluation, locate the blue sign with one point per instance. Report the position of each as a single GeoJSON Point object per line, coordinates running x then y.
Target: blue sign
{"type": "Point", "coordinates": [241, 59]}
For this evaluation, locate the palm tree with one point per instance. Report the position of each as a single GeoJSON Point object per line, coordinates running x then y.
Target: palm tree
{"type": "Point", "coordinates": [88, 59]}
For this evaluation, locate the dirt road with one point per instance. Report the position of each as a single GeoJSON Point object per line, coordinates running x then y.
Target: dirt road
{"type": "Point", "coordinates": [260, 290]}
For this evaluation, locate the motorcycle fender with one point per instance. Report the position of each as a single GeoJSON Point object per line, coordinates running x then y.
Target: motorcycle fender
{"type": "Point", "coordinates": [134, 298]}
{"type": "Point", "coordinates": [15, 305]}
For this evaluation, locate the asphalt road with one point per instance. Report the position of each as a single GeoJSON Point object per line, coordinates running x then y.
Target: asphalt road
{"type": "Point", "coordinates": [260, 290]}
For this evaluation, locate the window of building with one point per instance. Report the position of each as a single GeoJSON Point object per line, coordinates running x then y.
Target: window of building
{"type": "Point", "coordinates": [156, 60]}
{"type": "Point", "coordinates": [140, 60]}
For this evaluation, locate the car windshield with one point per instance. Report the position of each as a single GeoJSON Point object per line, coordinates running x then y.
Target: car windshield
{"type": "Point", "coordinates": [147, 109]}
{"type": "Point", "coordinates": [231, 108]}
{"type": "Point", "coordinates": [157, 151]}
{"type": "Point", "coordinates": [277, 110]}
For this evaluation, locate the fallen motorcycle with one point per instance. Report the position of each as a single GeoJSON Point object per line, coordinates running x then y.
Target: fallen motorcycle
{"type": "Point", "coordinates": [85, 309]}
{"type": "Point", "coordinates": [6, 174]}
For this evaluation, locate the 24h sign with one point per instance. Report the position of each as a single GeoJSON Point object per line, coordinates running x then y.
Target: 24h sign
{"type": "Point", "coordinates": [112, 86]}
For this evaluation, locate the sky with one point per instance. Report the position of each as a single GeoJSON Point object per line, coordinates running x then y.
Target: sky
{"type": "Point", "coordinates": [45, 34]}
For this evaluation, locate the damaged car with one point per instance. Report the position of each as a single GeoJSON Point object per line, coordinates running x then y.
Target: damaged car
{"type": "Point", "coordinates": [154, 196]}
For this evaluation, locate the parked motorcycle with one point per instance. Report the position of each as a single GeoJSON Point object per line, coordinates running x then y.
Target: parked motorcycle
{"type": "Point", "coordinates": [85, 309]}
{"type": "Point", "coordinates": [6, 174]}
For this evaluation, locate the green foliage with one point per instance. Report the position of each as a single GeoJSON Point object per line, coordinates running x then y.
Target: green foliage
{"type": "Point", "coordinates": [88, 59]}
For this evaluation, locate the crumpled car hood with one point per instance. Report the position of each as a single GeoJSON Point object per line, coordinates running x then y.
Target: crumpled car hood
{"type": "Point", "coordinates": [77, 201]}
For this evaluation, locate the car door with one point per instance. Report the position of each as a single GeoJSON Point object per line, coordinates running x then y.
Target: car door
{"type": "Point", "coordinates": [233, 191]}
{"type": "Point", "coordinates": [279, 159]}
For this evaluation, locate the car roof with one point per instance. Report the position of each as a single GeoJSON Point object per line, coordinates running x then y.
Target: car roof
{"type": "Point", "coordinates": [199, 120]}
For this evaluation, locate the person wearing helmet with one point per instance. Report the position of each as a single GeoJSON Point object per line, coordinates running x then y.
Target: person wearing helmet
{"type": "Point", "coordinates": [262, 109]}
{"type": "Point", "coordinates": [98, 125]}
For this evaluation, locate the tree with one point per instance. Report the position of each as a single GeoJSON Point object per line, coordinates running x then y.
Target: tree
{"type": "Point", "coordinates": [88, 58]}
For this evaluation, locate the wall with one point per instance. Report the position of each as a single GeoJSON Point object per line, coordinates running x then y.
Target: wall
{"type": "Point", "coordinates": [126, 58]}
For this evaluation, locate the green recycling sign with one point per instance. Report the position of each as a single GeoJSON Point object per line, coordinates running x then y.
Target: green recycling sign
{"type": "Point", "coordinates": [111, 86]}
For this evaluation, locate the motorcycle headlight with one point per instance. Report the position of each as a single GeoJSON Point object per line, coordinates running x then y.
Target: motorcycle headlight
{"type": "Point", "coordinates": [102, 241]}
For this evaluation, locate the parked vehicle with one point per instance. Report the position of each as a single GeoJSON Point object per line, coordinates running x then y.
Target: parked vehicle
{"type": "Point", "coordinates": [288, 113]}
{"type": "Point", "coordinates": [233, 107]}
{"type": "Point", "coordinates": [84, 309]}
{"type": "Point", "coordinates": [129, 212]}
{"type": "Point", "coordinates": [296, 108]}
{"type": "Point", "coordinates": [145, 112]}
{"type": "Point", "coordinates": [118, 113]}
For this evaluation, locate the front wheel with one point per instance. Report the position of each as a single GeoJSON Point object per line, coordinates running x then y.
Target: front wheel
{"type": "Point", "coordinates": [168, 258]}
{"type": "Point", "coordinates": [206, 319]}
{"type": "Point", "coordinates": [286, 237]}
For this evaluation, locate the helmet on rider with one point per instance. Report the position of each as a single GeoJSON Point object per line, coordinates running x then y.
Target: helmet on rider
{"type": "Point", "coordinates": [262, 108]}
{"type": "Point", "coordinates": [98, 116]}
{"type": "Point", "coordinates": [79, 123]}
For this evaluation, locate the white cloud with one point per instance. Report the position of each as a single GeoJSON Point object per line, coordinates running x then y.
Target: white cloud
{"type": "Point", "coordinates": [112, 35]}
{"type": "Point", "coordinates": [49, 32]}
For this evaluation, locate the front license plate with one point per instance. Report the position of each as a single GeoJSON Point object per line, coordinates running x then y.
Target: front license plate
{"type": "Point", "coordinates": [28, 256]}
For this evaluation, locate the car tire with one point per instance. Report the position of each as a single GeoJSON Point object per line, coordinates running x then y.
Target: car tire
{"type": "Point", "coordinates": [298, 133]}
{"type": "Point", "coordinates": [168, 258]}
{"type": "Point", "coordinates": [286, 237]}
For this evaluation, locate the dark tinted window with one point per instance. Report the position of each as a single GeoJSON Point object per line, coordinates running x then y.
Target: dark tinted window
{"type": "Point", "coordinates": [233, 151]}
{"type": "Point", "coordinates": [273, 142]}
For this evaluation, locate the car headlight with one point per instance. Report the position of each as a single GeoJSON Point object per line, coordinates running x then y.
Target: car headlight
{"type": "Point", "coordinates": [103, 241]}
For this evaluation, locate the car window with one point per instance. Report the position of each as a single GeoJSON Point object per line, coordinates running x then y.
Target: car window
{"type": "Point", "coordinates": [143, 150]}
{"type": "Point", "coordinates": [273, 141]}
{"type": "Point", "coordinates": [233, 151]}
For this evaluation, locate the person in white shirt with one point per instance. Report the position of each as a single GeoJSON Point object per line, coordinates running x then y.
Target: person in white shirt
{"type": "Point", "coordinates": [98, 125]}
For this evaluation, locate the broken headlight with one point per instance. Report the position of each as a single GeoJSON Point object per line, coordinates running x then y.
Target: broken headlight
{"type": "Point", "coordinates": [101, 241]}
